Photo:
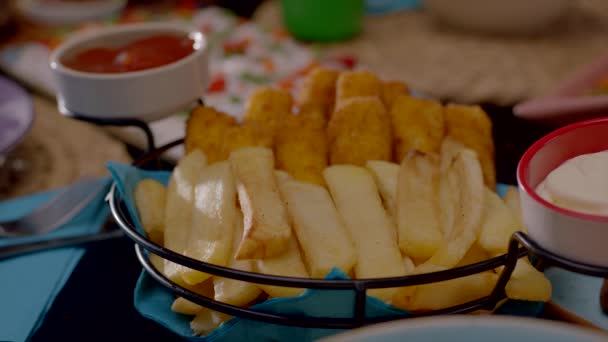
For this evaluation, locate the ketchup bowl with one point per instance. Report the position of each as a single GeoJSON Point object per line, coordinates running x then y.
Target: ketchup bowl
{"type": "Point", "coordinates": [144, 71]}
{"type": "Point", "coordinates": [575, 234]}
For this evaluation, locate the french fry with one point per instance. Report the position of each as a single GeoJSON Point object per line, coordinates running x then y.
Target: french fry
{"type": "Point", "coordinates": [386, 175]}
{"type": "Point", "coordinates": [185, 307]}
{"type": "Point", "coordinates": [213, 219]}
{"type": "Point", "coordinates": [356, 197]}
{"type": "Point", "coordinates": [150, 198]}
{"type": "Point", "coordinates": [288, 264]}
{"type": "Point", "coordinates": [232, 291]}
{"type": "Point", "coordinates": [281, 176]}
{"type": "Point", "coordinates": [512, 201]}
{"type": "Point", "coordinates": [419, 230]}
{"type": "Point", "coordinates": [324, 240]}
{"type": "Point", "coordinates": [206, 321]}
{"type": "Point", "coordinates": [452, 292]}
{"type": "Point", "coordinates": [474, 255]}
{"type": "Point", "coordinates": [266, 227]}
{"type": "Point", "coordinates": [178, 210]}
{"type": "Point", "coordinates": [498, 224]}
{"type": "Point", "coordinates": [358, 83]}
{"type": "Point", "coordinates": [417, 125]}
{"type": "Point", "coordinates": [466, 171]}
{"type": "Point", "coordinates": [358, 131]}
{"type": "Point", "coordinates": [527, 283]}
{"type": "Point", "coordinates": [409, 265]}
{"type": "Point", "coordinates": [157, 262]}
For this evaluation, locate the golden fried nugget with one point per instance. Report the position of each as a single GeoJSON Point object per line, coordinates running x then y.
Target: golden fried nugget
{"type": "Point", "coordinates": [356, 84]}
{"type": "Point", "coordinates": [268, 106]}
{"type": "Point", "coordinates": [318, 93]}
{"type": "Point", "coordinates": [472, 127]}
{"type": "Point", "coordinates": [417, 125]}
{"type": "Point", "coordinates": [359, 131]}
{"type": "Point", "coordinates": [246, 135]}
{"type": "Point", "coordinates": [301, 148]}
{"type": "Point", "coordinates": [205, 131]}
{"type": "Point", "coordinates": [390, 90]}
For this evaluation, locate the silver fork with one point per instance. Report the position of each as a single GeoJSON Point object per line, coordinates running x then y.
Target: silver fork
{"type": "Point", "coordinates": [57, 211]}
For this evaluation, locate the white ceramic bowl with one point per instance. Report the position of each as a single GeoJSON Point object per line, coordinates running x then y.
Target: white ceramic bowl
{"type": "Point", "coordinates": [498, 16]}
{"type": "Point", "coordinates": [148, 94]}
{"type": "Point", "coordinates": [574, 235]}
{"type": "Point", "coordinates": [61, 13]}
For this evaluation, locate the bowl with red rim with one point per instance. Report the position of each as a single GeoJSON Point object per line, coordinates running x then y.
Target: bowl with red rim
{"type": "Point", "coordinates": [145, 71]}
{"type": "Point", "coordinates": [576, 235]}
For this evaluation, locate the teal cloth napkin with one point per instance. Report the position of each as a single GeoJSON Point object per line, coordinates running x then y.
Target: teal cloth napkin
{"type": "Point", "coordinates": [153, 301]}
{"type": "Point", "coordinates": [30, 283]}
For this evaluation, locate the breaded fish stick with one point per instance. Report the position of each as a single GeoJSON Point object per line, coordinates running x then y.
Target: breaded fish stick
{"type": "Point", "coordinates": [318, 93]}
{"type": "Point", "coordinates": [359, 131]}
{"type": "Point", "coordinates": [472, 127]}
{"type": "Point", "coordinates": [205, 131]}
{"type": "Point", "coordinates": [390, 90]}
{"type": "Point", "coordinates": [356, 84]}
{"type": "Point", "coordinates": [417, 125]}
{"type": "Point", "coordinates": [246, 135]}
{"type": "Point", "coordinates": [301, 149]}
{"type": "Point", "coordinates": [268, 106]}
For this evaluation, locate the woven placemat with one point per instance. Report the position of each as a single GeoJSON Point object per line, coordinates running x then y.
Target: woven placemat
{"type": "Point", "coordinates": [56, 152]}
{"type": "Point", "coordinates": [469, 67]}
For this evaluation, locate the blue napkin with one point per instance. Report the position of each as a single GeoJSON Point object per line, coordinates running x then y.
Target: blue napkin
{"type": "Point", "coordinates": [153, 301]}
{"type": "Point", "coordinates": [30, 283]}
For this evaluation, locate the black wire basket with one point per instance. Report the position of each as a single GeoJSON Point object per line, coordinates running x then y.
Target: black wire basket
{"type": "Point", "coordinates": [520, 246]}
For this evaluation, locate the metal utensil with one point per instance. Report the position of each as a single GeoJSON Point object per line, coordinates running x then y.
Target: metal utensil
{"type": "Point", "coordinates": [12, 251]}
{"type": "Point", "coordinates": [56, 212]}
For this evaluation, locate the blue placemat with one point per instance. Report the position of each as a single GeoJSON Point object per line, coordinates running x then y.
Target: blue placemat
{"type": "Point", "coordinates": [154, 301]}
{"type": "Point", "coordinates": [30, 283]}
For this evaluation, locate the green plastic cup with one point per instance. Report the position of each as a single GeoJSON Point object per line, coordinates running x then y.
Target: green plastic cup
{"type": "Point", "coordinates": [323, 20]}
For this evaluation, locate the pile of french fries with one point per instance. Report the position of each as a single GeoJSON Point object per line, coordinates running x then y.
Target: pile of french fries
{"type": "Point", "coordinates": [299, 195]}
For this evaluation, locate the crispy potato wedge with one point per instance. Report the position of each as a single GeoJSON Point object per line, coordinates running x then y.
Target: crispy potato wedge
{"type": "Point", "coordinates": [205, 131]}
{"type": "Point", "coordinates": [360, 83]}
{"type": "Point", "coordinates": [231, 291]}
{"type": "Point", "coordinates": [288, 264]}
{"type": "Point", "coordinates": [324, 240]}
{"type": "Point", "coordinates": [358, 131]}
{"type": "Point", "coordinates": [356, 197]}
{"type": "Point", "coordinates": [386, 175]}
{"type": "Point", "coordinates": [318, 92]}
{"type": "Point", "coordinates": [448, 293]}
{"type": "Point", "coordinates": [417, 125]}
{"type": "Point", "coordinates": [466, 172]}
{"type": "Point", "coordinates": [266, 226]}
{"type": "Point", "coordinates": [178, 210]}
{"type": "Point", "coordinates": [390, 90]}
{"type": "Point", "coordinates": [498, 224]}
{"type": "Point", "coordinates": [150, 199]}
{"type": "Point", "coordinates": [301, 149]}
{"type": "Point", "coordinates": [213, 219]}
{"type": "Point", "coordinates": [419, 230]}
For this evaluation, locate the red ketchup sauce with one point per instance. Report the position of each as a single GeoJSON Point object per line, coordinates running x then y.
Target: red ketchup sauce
{"type": "Point", "coordinates": [146, 53]}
